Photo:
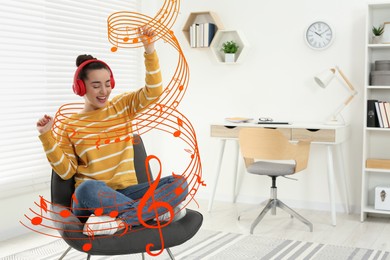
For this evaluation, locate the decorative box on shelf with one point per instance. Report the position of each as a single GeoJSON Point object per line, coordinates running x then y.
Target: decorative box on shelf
{"type": "Point", "coordinates": [382, 198]}
{"type": "Point", "coordinates": [378, 163]}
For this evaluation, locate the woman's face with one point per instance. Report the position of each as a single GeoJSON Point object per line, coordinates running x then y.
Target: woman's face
{"type": "Point", "coordinates": [98, 89]}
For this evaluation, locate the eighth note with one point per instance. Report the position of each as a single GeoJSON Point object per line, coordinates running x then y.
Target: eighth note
{"type": "Point", "coordinates": [177, 133]}
{"type": "Point", "coordinates": [43, 206]}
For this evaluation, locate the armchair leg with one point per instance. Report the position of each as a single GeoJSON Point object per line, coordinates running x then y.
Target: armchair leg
{"type": "Point", "coordinates": [64, 254]}
{"type": "Point", "coordinates": [170, 253]}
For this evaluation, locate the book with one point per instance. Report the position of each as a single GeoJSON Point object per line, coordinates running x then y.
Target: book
{"type": "Point", "coordinates": [193, 35]}
{"type": "Point", "coordinates": [378, 113]}
{"type": "Point", "coordinates": [387, 109]}
{"type": "Point", "coordinates": [372, 118]}
{"type": "Point", "coordinates": [378, 163]}
{"type": "Point", "coordinates": [197, 32]}
{"type": "Point", "coordinates": [209, 32]}
{"type": "Point", "coordinates": [383, 114]}
{"type": "Point", "coordinates": [238, 119]}
{"type": "Point", "coordinates": [201, 35]}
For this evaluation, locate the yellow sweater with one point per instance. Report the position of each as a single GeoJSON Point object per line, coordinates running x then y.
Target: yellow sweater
{"type": "Point", "coordinates": [89, 147]}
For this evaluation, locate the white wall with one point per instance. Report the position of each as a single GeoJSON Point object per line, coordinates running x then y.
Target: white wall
{"type": "Point", "coordinates": [274, 79]}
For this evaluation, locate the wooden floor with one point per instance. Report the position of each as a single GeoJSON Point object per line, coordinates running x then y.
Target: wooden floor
{"type": "Point", "coordinates": [374, 233]}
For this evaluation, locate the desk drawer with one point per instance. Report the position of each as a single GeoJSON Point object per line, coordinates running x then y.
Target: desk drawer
{"type": "Point", "coordinates": [232, 131]}
{"type": "Point", "coordinates": [315, 135]}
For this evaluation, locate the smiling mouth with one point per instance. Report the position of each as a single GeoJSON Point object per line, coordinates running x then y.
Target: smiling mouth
{"type": "Point", "coordinates": [102, 99]}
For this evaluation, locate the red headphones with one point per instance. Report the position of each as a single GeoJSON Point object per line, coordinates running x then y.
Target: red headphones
{"type": "Point", "coordinates": [78, 84]}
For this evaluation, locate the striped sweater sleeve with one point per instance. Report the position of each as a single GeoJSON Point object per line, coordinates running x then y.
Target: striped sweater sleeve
{"type": "Point", "coordinates": [60, 155]}
{"type": "Point", "coordinates": [153, 84]}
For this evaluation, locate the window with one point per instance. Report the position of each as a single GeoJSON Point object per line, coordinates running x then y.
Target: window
{"type": "Point", "coordinates": [39, 43]}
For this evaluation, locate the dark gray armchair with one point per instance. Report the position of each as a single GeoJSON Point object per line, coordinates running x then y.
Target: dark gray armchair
{"type": "Point", "coordinates": [133, 241]}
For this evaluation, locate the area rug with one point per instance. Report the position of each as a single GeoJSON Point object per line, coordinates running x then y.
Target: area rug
{"type": "Point", "coordinates": [208, 244]}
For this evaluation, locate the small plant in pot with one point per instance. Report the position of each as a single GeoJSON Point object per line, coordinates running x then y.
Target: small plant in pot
{"type": "Point", "coordinates": [229, 48]}
{"type": "Point", "coordinates": [377, 31]}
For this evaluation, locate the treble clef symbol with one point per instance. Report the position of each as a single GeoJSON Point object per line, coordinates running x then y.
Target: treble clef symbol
{"type": "Point", "coordinates": [154, 205]}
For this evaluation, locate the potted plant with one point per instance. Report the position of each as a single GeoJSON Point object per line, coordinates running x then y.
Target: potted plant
{"type": "Point", "coordinates": [229, 48]}
{"type": "Point", "coordinates": [377, 31]}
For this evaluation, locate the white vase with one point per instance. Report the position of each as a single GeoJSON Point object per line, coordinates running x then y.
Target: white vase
{"type": "Point", "coordinates": [376, 39]}
{"type": "Point", "coordinates": [230, 57]}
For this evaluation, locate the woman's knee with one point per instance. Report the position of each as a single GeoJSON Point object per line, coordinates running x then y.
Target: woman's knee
{"type": "Point", "coordinates": [89, 186]}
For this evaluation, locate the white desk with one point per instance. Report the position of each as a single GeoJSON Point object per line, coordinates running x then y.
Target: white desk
{"type": "Point", "coordinates": [328, 135]}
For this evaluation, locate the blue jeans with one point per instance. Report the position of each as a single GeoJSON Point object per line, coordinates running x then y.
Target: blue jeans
{"type": "Point", "coordinates": [92, 195]}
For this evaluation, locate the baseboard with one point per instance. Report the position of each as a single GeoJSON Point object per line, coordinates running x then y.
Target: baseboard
{"type": "Point", "coordinates": [298, 204]}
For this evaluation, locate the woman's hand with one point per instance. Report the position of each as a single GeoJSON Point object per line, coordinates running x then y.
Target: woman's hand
{"type": "Point", "coordinates": [146, 34]}
{"type": "Point", "coordinates": [44, 124]}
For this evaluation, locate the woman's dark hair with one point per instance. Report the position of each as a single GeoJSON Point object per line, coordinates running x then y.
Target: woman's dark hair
{"type": "Point", "coordinates": [91, 66]}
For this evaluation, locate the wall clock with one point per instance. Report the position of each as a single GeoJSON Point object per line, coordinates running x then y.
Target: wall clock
{"type": "Point", "coordinates": [319, 35]}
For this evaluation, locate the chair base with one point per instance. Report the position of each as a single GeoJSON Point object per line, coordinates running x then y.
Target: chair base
{"type": "Point", "coordinates": [143, 254]}
{"type": "Point", "coordinates": [272, 204]}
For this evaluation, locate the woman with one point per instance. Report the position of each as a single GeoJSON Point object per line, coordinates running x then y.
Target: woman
{"type": "Point", "coordinates": [107, 190]}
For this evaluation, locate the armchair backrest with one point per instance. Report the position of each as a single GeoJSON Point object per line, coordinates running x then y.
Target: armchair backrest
{"type": "Point", "coordinates": [271, 144]}
{"type": "Point", "coordinates": [62, 190]}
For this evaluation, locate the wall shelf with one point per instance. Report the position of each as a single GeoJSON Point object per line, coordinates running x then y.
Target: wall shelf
{"type": "Point", "coordinates": [223, 36]}
{"type": "Point", "coordinates": [201, 17]}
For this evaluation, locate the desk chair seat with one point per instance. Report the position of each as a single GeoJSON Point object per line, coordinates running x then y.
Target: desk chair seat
{"type": "Point", "coordinates": [132, 242]}
{"type": "Point", "coordinates": [268, 152]}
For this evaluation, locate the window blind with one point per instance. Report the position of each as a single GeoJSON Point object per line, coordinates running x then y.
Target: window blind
{"type": "Point", "coordinates": [39, 43]}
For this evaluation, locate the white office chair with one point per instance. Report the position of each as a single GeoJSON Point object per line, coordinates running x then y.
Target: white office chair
{"type": "Point", "coordinates": [266, 152]}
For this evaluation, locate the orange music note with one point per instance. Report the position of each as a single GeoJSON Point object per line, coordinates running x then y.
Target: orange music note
{"type": "Point", "coordinates": [159, 107]}
{"type": "Point", "coordinates": [74, 198]}
{"type": "Point", "coordinates": [107, 141]}
{"type": "Point", "coordinates": [190, 152]}
{"type": "Point", "coordinates": [43, 206]}
{"type": "Point", "coordinates": [91, 236]}
{"type": "Point", "coordinates": [115, 48]}
{"type": "Point", "coordinates": [153, 206]}
{"type": "Point", "coordinates": [97, 143]}
{"type": "Point", "coordinates": [118, 138]}
{"type": "Point", "coordinates": [179, 190]}
{"type": "Point", "coordinates": [177, 133]}
{"type": "Point", "coordinates": [106, 195]}
{"type": "Point", "coordinates": [98, 211]}
{"type": "Point", "coordinates": [65, 213]}
{"type": "Point", "coordinates": [119, 133]}
{"type": "Point", "coordinates": [126, 39]}
{"type": "Point", "coordinates": [192, 194]}
{"type": "Point", "coordinates": [199, 180]}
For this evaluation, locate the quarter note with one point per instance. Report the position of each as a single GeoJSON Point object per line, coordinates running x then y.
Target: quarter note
{"type": "Point", "coordinates": [107, 141]}
{"type": "Point", "coordinates": [115, 48]}
{"type": "Point", "coordinates": [91, 236]}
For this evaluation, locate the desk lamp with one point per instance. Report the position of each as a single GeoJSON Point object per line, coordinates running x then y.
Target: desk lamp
{"type": "Point", "coordinates": [323, 80]}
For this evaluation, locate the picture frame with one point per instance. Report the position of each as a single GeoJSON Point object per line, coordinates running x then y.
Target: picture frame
{"type": "Point", "coordinates": [386, 33]}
